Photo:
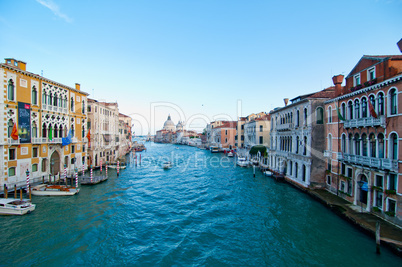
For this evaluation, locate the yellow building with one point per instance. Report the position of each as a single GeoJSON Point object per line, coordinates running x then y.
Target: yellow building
{"type": "Point", "coordinates": [44, 113]}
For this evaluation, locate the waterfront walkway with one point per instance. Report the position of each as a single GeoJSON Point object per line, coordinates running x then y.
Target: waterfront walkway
{"type": "Point", "coordinates": [391, 235]}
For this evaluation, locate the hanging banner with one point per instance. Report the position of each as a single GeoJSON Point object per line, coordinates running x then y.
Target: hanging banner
{"type": "Point", "coordinates": [24, 122]}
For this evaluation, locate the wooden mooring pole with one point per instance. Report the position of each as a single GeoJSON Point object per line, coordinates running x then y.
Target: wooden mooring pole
{"type": "Point", "coordinates": [377, 237]}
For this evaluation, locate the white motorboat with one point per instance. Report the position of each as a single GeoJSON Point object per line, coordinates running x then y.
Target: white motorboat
{"type": "Point", "coordinates": [254, 162]}
{"type": "Point", "coordinates": [230, 154]}
{"type": "Point", "coordinates": [114, 166]}
{"type": "Point", "coordinates": [14, 206]}
{"type": "Point", "coordinates": [268, 173]}
{"type": "Point", "coordinates": [54, 190]}
{"type": "Point", "coordinates": [242, 162]}
{"type": "Point", "coordinates": [214, 149]}
{"type": "Point", "coordinates": [167, 165]}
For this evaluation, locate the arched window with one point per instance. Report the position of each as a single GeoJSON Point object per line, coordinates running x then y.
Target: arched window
{"type": "Point", "coordinates": [304, 173]}
{"type": "Point", "coordinates": [381, 104]}
{"type": "Point", "coordinates": [350, 140]}
{"type": "Point", "coordinates": [372, 146]}
{"type": "Point", "coordinates": [10, 127]}
{"type": "Point", "coordinates": [393, 146]}
{"type": "Point", "coordinates": [372, 101]}
{"type": "Point", "coordinates": [72, 130]}
{"type": "Point", "coordinates": [61, 131]}
{"type": "Point", "coordinates": [83, 107]}
{"type": "Point", "coordinates": [50, 99]}
{"type": "Point", "coordinates": [55, 100]}
{"type": "Point", "coordinates": [44, 97]}
{"type": "Point", "coordinates": [44, 130]}
{"type": "Point", "coordinates": [56, 131]}
{"type": "Point", "coordinates": [343, 143]}
{"type": "Point", "coordinates": [319, 115]}
{"type": "Point", "coordinates": [329, 114]}
{"type": "Point", "coordinates": [65, 102]}
{"type": "Point", "coordinates": [343, 110]}
{"type": "Point", "coordinates": [34, 130]}
{"type": "Point", "coordinates": [72, 104]}
{"type": "Point", "coordinates": [380, 139]}
{"type": "Point", "coordinates": [296, 169]}
{"type": "Point", "coordinates": [364, 107]}
{"type": "Point", "coordinates": [297, 118]}
{"type": "Point", "coordinates": [34, 96]}
{"type": "Point", "coordinates": [393, 102]}
{"type": "Point", "coordinates": [350, 110]}
{"type": "Point", "coordinates": [357, 109]}
{"type": "Point", "coordinates": [364, 145]}
{"type": "Point", "coordinates": [330, 142]}
{"type": "Point", "coordinates": [305, 116]}
{"type": "Point", "coordinates": [305, 146]}
{"type": "Point", "coordinates": [83, 133]}
{"type": "Point", "coordinates": [357, 144]}
{"type": "Point", "coordinates": [297, 144]}
{"type": "Point", "coordinates": [10, 90]}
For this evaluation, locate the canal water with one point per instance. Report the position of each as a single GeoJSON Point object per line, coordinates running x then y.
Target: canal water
{"type": "Point", "coordinates": [204, 211]}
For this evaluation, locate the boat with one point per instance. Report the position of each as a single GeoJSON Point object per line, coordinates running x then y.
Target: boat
{"type": "Point", "coordinates": [214, 149]}
{"type": "Point", "coordinates": [242, 162]}
{"type": "Point", "coordinates": [230, 154]}
{"type": "Point", "coordinates": [114, 166]}
{"type": "Point", "coordinates": [167, 165]}
{"type": "Point", "coordinates": [15, 206]}
{"type": "Point", "coordinates": [86, 180]}
{"type": "Point", "coordinates": [54, 190]}
{"type": "Point", "coordinates": [254, 162]}
{"type": "Point", "coordinates": [268, 173]}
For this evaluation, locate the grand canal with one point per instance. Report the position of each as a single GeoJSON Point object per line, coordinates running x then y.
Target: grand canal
{"type": "Point", "coordinates": [204, 211]}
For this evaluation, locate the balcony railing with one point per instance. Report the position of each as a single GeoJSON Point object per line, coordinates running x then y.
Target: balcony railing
{"type": "Point", "coordinates": [13, 142]}
{"type": "Point", "coordinates": [365, 122]}
{"type": "Point", "coordinates": [284, 127]}
{"type": "Point", "coordinates": [379, 163]}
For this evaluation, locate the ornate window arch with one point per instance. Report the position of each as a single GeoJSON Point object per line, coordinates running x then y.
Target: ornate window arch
{"type": "Point", "coordinates": [11, 90]}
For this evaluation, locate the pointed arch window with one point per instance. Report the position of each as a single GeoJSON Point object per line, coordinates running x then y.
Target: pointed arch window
{"type": "Point", "coordinates": [350, 110]}
{"type": "Point", "coordinates": [357, 144]}
{"type": "Point", "coordinates": [343, 144]}
{"type": "Point", "coordinates": [11, 90]}
{"type": "Point", "coordinates": [34, 130]}
{"type": "Point", "coordinates": [357, 109]}
{"type": "Point", "coordinates": [394, 146]}
{"type": "Point", "coordinates": [364, 107]}
{"type": "Point", "coordinates": [10, 127]}
{"type": "Point", "coordinates": [372, 101]}
{"type": "Point", "coordinates": [372, 146]}
{"type": "Point", "coordinates": [44, 130]}
{"type": "Point", "coordinates": [364, 145]}
{"type": "Point", "coordinates": [343, 110]}
{"type": "Point", "coordinates": [381, 147]}
{"type": "Point", "coordinates": [34, 96]}
{"type": "Point", "coordinates": [393, 102]}
{"type": "Point", "coordinates": [44, 97]}
{"type": "Point", "coordinates": [320, 115]}
{"type": "Point", "coordinates": [329, 114]}
{"type": "Point", "coordinates": [381, 104]}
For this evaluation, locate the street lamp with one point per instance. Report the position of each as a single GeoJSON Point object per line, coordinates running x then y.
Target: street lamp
{"type": "Point", "coordinates": [361, 183]}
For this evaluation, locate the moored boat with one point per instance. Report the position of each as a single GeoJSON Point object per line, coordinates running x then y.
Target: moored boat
{"type": "Point", "coordinates": [114, 166]}
{"type": "Point", "coordinates": [214, 149]}
{"type": "Point", "coordinates": [242, 162]}
{"type": "Point", "coordinates": [14, 206]}
{"type": "Point", "coordinates": [54, 190]}
{"type": "Point", "coordinates": [230, 154]}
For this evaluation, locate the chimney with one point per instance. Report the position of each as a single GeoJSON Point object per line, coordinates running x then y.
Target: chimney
{"type": "Point", "coordinates": [77, 86]}
{"type": "Point", "coordinates": [337, 80]}
{"type": "Point", "coordinates": [286, 100]}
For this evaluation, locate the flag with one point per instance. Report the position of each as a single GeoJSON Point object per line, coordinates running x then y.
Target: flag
{"type": "Point", "coordinates": [340, 117]}
{"type": "Point", "coordinates": [372, 110]}
{"type": "Point", "coordinates": [66, 140]}
{"type": "Point", "coordinates": [50, 133]}
{"type": "Point", "coordinates": [89, 137]}
{"type": "Point", "coordinates": [14, 133]}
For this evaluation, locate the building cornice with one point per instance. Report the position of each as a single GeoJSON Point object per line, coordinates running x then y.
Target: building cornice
{"type": "Point", "coordinates": [37, 76]}
{"type": "Point", "coordinates": [364, 90]}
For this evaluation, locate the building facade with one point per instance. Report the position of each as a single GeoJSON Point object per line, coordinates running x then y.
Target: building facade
{"type": "Point", "coordinates": [297, 139]}
{"type": "Point", "coordinates": [257, 130]}
{"type": "Point", "coordinates": [38, 114]}
{"type": "Point", "coordinates": [103, 121]}
{"type": "Point", "coordinates": [363, 137]}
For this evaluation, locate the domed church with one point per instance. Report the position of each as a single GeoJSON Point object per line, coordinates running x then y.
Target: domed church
{"type": "Point", "coordinates": [169, 125]}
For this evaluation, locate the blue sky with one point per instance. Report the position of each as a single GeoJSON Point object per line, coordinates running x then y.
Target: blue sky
{"type": "Point", "coordinates": [198, 60]}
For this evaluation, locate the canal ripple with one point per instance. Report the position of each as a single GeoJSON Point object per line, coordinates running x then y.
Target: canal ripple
{"type": "Point", "coordinates": [204, 211]}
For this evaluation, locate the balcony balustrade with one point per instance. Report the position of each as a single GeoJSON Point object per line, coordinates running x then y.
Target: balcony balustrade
{"type": "Point", "coordinates": [379, 163]}
{"type": "Point", "coordinates": [365, 122]}
{"type": "Point", "coordinates": [284, 127]}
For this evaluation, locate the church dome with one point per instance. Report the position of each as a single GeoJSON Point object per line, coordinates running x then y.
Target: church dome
{"type": "Point", "coordinates": [180, 126]}
{"type": "Point", "coordinates": [169, 125]}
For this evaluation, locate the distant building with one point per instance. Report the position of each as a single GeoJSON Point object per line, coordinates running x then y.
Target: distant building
{"type": "Point", "coordinates": [257, 130]}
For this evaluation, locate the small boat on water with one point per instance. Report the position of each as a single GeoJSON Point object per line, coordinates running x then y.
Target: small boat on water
{"type": "Point", "coordinates": [242, 162]}
{"type": "Point", "coordinates": [167, 165]}
{"type": "Point", "coordinates": [54, 190]}
{"type": "Point", "coordinates": [230, 154]}
{"type": "Point", "coordinates": [214, 149]}
{"type": "Point", "coordinates": [254, 162]}
{"type": "Point", "coordinates": [14, 206]}
{"type": "Point", "coordinates": [86, 180]}
{"type": "Point", "coordinates": [114, 166]}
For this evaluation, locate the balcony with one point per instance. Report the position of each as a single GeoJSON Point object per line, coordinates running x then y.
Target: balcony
{"type": "Point", "coordinates": [365, 122]}
{"type": "Point", "coordinates": [284, 127]}
{"type": "Point", "coordinates": [379, 163]}
{"type": "Point", "coordinates": [45, 140]}
{"type": "Point", "coordinates": [11, 141]}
